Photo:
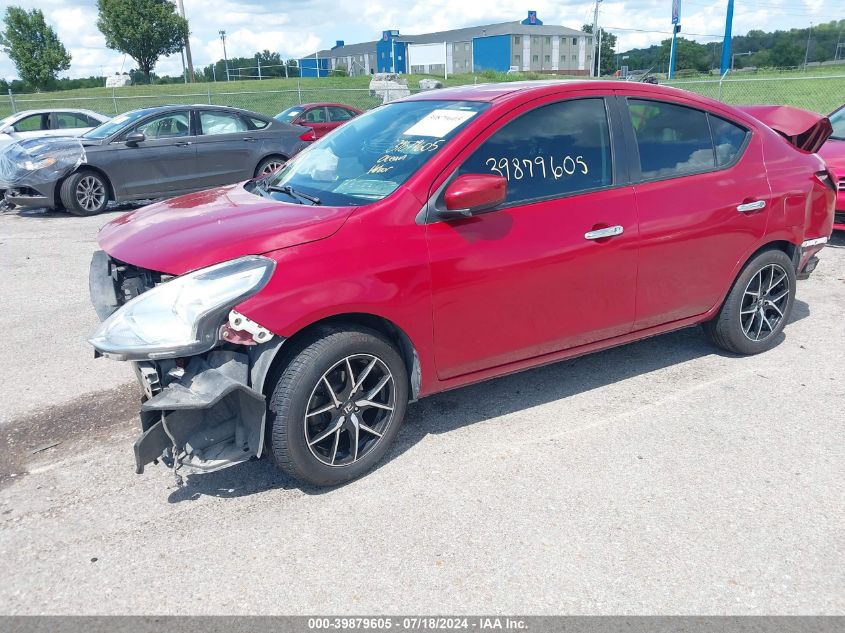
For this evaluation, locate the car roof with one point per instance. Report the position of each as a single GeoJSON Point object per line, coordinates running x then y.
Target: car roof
{"type": "Point", "coordinates": [23, 113]}
{"type": "Point", "coordinates": [204, 106]}
{"type": "Point", "coordinates": [320, 104]}
{"type": "Point", "coordinates": [498, 91]}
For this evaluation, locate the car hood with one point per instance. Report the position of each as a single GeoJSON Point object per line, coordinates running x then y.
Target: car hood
{"type": "Point", "coordinates": [200, 229]}
{"type": "Point", "coordinates": [833, 153]}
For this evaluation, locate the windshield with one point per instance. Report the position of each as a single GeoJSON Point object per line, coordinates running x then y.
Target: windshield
{"type": "Point", "coordinates": [838, 121]}
{"type": "Point", "coordinates": [286, 116]}
{"type": "Point", "coordinates": [114, 125]}
{"type": "Point", "coordinates": [368, 158]}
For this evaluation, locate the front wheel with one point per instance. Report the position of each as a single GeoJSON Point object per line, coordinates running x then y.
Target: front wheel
{"type": "Point", "coordinates": [338, 405]}
{"type": "Point", "coordinates": [757, 307]}
{"type": "Point", "coordinates": [85, 193]}
{"type": "Point", "coordinates": [269, 166]}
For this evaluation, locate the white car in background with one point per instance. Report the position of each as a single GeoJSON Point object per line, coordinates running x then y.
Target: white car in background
{"type": "Point", "coordinates": [48, 122]}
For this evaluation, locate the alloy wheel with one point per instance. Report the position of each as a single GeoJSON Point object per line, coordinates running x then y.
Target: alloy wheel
{"type": "Point", "coordinates": [90, 193]}
{"type": "Point", "coordinates": [270, 167]}
{"type": "Point", "coordinates": [764, 302]}
{"type": "Point", "coordinates": [349, 410]}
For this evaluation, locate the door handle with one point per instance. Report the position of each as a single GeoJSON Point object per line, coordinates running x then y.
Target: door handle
{"type": "Point", "coordinates": [748, 207]}
{"type": "Point", "coordinates": [249, 138]}
{"type": "Point", "coordinates": [182, 144]}
{"type": "Point", "coordinates": [611, 231]}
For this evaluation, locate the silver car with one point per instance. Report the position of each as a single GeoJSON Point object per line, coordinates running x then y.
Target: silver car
{"type": "Point", "coordinates": [50, 122]}
{"type": "Point", "coordinates": [157, 152]}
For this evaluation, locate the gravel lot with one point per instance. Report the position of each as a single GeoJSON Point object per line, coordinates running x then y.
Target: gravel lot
{"type": "Point", "coordinates": [662, 477]}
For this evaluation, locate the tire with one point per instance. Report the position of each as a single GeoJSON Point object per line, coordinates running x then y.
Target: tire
{"type": "Point", "coordinates": [311, 435]}
{"type": "Point", "coordinates": [765, 287]}
{"type": "Point", "coordinates": [85, 193]}
{"type": "Point", "coordinates": [269, 165]}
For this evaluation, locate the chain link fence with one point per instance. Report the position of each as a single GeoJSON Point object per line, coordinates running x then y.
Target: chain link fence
{"type": "Point", "coordinates": [269, 102]}
{"type": "Point", "coordinates": [818, 93]}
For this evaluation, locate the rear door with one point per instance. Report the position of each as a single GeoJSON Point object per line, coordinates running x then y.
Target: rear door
{"type": "Point", "coordinates": [164, 163]}
{"type": "Point", "coordinates": [337, 116]}
{"type": "Point", "coordinates": [704, 201]}
{"type": "Point", "coordinates": [532, 277]}
{"type": "Point", "coordinates": [228, 149]}
{"type": "Point", "coordinates": [317, 119]}
{"type": "Point", "coordinates": [68, 124]}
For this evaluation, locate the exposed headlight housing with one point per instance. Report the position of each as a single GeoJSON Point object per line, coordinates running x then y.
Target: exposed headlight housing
{"type": "Point", "coordinates": [33, 165]}
{"type": "Point", "coordinates": [181, 317]}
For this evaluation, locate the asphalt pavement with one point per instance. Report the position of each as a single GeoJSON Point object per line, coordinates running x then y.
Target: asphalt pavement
{"type": "Point", "coordinates": [663, 477]}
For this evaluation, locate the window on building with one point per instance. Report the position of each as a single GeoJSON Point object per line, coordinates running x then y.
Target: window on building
{"type": "Point", "coordinates": [563, 58]}
{"type": "Point", "coordinates": [517, 40]}
{"type": "Point", "coordinates": [554, 150]}
{"type": "Point", "coordinates": [517, 58]}
{"type": "Point", "coordinates": [535, 58]}
{"type": "Point", "coordinates": [575, 58]}
{"type": "Point", "coordinates": [672, 140]}
{"type": "Point", "coordinates": [547, 59]}
{"type": "Point", "coordinates": [466, 46]}
{"type": "Point", "coordinates": [575, 41]}
{"type": "Point", "coordinates": [535, 39]}
{"type": "Point", "coordinates": [548, 41]}
{"type": "Point", "coordinates": [589, 41]}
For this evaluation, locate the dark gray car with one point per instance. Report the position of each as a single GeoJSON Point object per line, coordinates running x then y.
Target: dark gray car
{"type": "Point", "coordinates": [150, 153]}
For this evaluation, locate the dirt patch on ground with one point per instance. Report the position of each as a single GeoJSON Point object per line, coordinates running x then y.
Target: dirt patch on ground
{"type": "Point", "coordinates": [60, 430]}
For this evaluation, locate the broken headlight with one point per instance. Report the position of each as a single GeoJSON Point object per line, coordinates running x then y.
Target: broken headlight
{"type": "Point", "coordinates": [181, 317]}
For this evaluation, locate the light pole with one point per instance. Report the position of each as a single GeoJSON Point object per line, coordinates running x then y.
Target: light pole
{"type": "Point", "coordinates": [225, 59]}
{"type": "Point", "coordinates": [735, 55]}
{"type": "Point", "coordinates": [597, 40]}
{"type": "Point", "coordinates": [807, 52]}
{"type": "Point", "coordinates": [187, 43]}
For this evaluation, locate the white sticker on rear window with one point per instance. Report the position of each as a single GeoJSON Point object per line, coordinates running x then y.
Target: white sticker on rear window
{"type": "Point", "coordinates": [438, 123]}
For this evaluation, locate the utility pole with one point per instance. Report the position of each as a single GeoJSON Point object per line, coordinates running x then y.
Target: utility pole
{"type": "Point", "coordinates": [225, 59]}
{"type": "Point", "coordinates": [676, 27]}
{"type": "Point", "coordinates": [187, 43]}
{"type": "Point", "coordinates": [726, 46]}
{"type": "Point", "coordinates": [596, 70]}
{"type": "Point", "coordinates": [807, 52]}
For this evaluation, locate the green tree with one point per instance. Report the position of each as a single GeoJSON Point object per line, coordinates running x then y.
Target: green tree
{"type": "Point", "coordinates": [689, 55]}
{"type": "Point", "coordinates": [143, 29]}
{"type": "Point", "coordinates": [33, 46]}
{"type": "Point", "coordinates": [608, 50]}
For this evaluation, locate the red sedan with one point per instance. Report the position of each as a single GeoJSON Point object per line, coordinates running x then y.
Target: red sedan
{"type": "Point", "coordinates": [445, 239]}
{"type": "Point", "coordinates": [320, 117]}
{"type": "Point", "coordinates": [833, 152]}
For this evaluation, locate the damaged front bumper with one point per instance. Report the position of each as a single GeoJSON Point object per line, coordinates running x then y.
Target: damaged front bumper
{"type": "Point", "coordinates": [205, 415]}
{"type": "Point", "coordinates": [205, 411]}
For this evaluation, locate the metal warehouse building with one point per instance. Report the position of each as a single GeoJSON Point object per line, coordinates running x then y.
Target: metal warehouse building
{"type": "Point", "coordinates": [528, 45]}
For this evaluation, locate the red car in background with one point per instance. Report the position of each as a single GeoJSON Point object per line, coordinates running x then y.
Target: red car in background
{"type": "Point", "coordinates": [447, 238]}
{"type": "Point", "coordinates": [833, 152]}
{"type": "Point", "coordinates": [320, 117]}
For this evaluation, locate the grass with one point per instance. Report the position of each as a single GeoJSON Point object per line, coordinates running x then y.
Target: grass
{"type": "Point", "coordinates": [798, 88]}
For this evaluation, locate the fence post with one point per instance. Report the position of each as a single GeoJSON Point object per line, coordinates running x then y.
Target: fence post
{"type": "Point", "coordinates": [12, 102]}
{"type": "Point", "coordinates": [114, 102]}
{"type": "Point", "coordinates": [209, 95]}
{"type": "Point", "coordinates": [299, 91]}
{"type": "Point", "coordinates": [721, 79]}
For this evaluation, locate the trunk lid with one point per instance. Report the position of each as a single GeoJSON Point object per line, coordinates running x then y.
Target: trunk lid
{"type": "Point", "coordinates": [804, 129]}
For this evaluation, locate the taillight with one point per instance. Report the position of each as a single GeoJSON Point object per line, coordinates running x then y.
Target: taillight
{"type": "Point", "coordinates": [827, 179]}
{"type": "Point", "coordinates": [308, 136]}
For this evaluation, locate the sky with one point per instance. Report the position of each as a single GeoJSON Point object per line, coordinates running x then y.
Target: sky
{"type": "Point", "coordinates": [298, 27]}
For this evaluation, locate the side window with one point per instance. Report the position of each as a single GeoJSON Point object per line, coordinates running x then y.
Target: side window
{"type": "Point", "coordinates": [258, 124]}
{"type": "Point", "coordinates": [728, 139]}
{"type": "Point", "coordinates": [554, 150]}
{"type": "Point", "coordinates": [339, 114]}
{"type": "Point", "coordinates": [672, 140]}
{"type": "Point", "coordinates": [66, 120]}
{"type": "Point", "coordinates": [215, 122]}
{"type": "Point", "coordinates": [315, 115]}
{"type": "Point", "coordinates": [170, 125]}
{"type": "Point", "coordinates": [32, 123]}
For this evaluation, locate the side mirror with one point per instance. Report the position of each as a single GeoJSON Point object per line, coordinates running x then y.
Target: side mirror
{"type": "Point", "coordinates": [133, 139]}
{"type": "Point", "coordinates": [9, 129]}
{"type": "Point", "coordinates": [474, 193]}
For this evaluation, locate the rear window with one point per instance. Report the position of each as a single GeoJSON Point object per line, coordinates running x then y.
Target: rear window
{"type": "Point", "coordinates": [728, 140]}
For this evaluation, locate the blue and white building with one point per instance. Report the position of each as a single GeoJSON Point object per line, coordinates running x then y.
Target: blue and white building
{"type": "Point", "coordinates": [528, 45]}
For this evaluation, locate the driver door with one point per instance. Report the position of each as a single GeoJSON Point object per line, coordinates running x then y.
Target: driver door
{"type": "Point", "coordinates": [164, 163]}
{"type": "Point", "coordinates": [528, 278]}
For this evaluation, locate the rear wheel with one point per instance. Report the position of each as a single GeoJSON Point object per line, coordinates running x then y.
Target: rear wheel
{"type": "Point", "coordinates": [338, 405]}
{"type": "Point", "coordinates": [757, 307]}
{"type": "Point", "coordinates": [85, 192]}
{"type": "Point", "coordinates": [269, 165]}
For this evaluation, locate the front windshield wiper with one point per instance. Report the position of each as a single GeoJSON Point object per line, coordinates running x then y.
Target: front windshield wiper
{"type": "Point", "coordinates": [290, 191]}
